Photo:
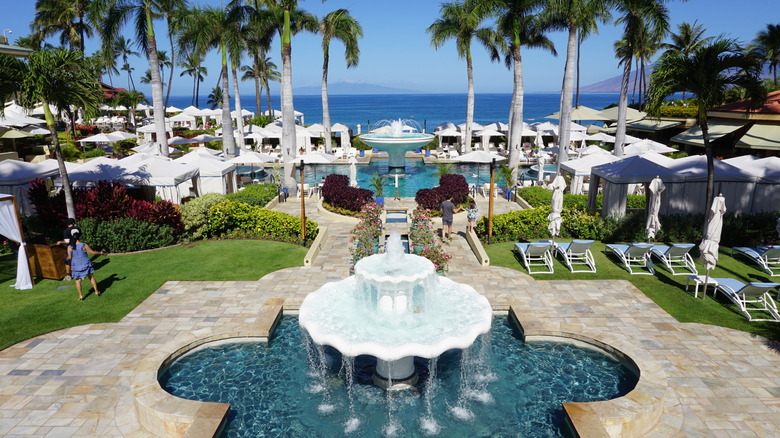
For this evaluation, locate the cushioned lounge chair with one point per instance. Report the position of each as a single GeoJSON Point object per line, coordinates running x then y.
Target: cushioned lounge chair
{"type": "Point", "coordinates": [634, 256]}
{"type": "Point", "coordinates": [768, 257]}
{"type": "Point", "coordinates": [743, 295]}
{"type": "Point", "coordinates": [536, 254]}
{"type": "Point", "coordinates": [677, 256]}
{"type": "Point", "coordinates": [577, 252]}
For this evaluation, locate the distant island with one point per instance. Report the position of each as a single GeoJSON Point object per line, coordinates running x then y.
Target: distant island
{"type": "Point", "coordinates": [353, 88]}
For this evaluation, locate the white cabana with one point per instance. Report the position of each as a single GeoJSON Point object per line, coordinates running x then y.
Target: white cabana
{"type": "Point", "coordinates": [581, 168]}
{"type": "Point", "coordinates": [183, 119]}
{"type": "Point", "coordinates": [485, 136]}
{"type": "Point", "coordinates": [172, 109]}
{"type": "Point", "coordinates": [15, 179]}
{"type": "Point", "coordinates": [215, 175]}
{"type": "Point", "coordinates": [647, 145]}
{"type": "Point", "coordinates": [11, 228]}
{"type": "Point", "coordinates": [344, 134]}
{"type": "Point", "coordinates": [767, 192]}
{"type": "Point", "coordinates": [151, 148]}
{"type": "Point", "coordinates": [449, 132]}
{"type": "Point", "coordinates": [99, 169]}
{"type": "Point", "coordinates": [51, 163]}
{"type": "Point", "coordinates": [445, 125]}
{"type": "Point", "coordinates": [164, 175]}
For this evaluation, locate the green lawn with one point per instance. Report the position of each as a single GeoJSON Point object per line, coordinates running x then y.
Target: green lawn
{"type": "Point", "coordinates": [668, 291]}
{"type": "Point", "coordinates": [127, 280]}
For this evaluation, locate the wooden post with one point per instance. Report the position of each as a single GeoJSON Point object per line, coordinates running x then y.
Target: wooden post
{"type": "Point", "coordinates": [303, 207]}
{"type": "Point", "coordinates": [22, 243]}
{"type": "Point", "coordinates": [490, 205]}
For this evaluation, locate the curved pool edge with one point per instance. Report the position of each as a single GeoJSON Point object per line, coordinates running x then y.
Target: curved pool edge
{"type": "Point", "coordinates": [632, 415]}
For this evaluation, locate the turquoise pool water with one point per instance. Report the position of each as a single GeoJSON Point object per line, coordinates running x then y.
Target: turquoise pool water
{"type": "Point", "coordinates": [418, 175]}
{"type": "Point", "coordinates": [274, 392]}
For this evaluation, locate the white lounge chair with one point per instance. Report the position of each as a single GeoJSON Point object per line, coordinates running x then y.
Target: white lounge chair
{"type": "Point", "coordinates": [454, 154]}
{"type": "Point", "coordinates": [577, 252]}
{"type": "Point", "coordinates": [442, 155]}
{"type": "Point", "coordinates": [677, 256]}
{"type": "Point", "coordinates": [633, 256]}
{"type": "Point", "coordinates": [768, 257]}
{"type": "Point", "coordinates": [536, 254]}
{"type": "Point", "coordinates": [743, 294]}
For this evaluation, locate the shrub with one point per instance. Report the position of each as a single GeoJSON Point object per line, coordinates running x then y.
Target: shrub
{"type": "Point", "coordinates": [358, 144]}
{"type": "Point", "coordinates": [449, 184]}
{"type": "Point", "coordinates": [256, 194]}
{"type": "Point", "coordinates": [125, 235]}
{"type": "Point", "coordinates": [538, 196]}
{"type": "Point", "coordinates": [70, 153]}
{"type": "Point", "coordinates": [337, 192]}
{"type": "Point", "coordinates": [532, 224]}
{"type": "Point", "coordinates": [94, 153]}
{"type": "Point", "coordinates": [678, 111]}
{"type": "Point", "coordinates": [365, 236]}
{"type": "Point", "coordinates": [230, 219]}
{"type": "Point", "coordinates": [535, 196]}
{"type": "Point", "coordinates": [422, 236]}
{"type": "Point", "coordinates": [195, 214]}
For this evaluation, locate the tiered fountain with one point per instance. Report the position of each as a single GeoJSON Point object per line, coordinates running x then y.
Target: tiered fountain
{"type": "Point", "coordinates": [396, 138]}
{"type": "Point", "coordinates": [394, 308]}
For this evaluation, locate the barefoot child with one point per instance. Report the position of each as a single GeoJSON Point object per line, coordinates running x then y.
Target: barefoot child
{"type": "Point", "coordinates": [471, 214]}
{"type": "Point", "coordinates": [80, 264]}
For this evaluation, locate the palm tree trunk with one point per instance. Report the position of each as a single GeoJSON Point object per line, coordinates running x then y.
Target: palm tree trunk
{"type": "Point", "coordinates": [636, 81]}
{"type": "Point", "coordinates": [197, 85]}
{"type": "Point", "coordinates": [564, 128]}
{"type": "Point", "coordinates": [239, 116]}
{"type": "Point", "coordinates": [256, 74]}
{"type": "Point", "coordinates": [514, 142]}
{"type": "Point", "coordinates": [157, 92]}
{"type": "Point", "coordinates": [469, 104]}
{"type": "Point", "coordinates": [228, 143]}
{"type": "Point", "coordinates": [194, 83]}
{"type": "Point", "coordinates": [577, 94]}
{"type": "Point", "coordinates": [710, 164]}
{"type": "Point", "coordinates": [173, 64]}
{"type": "Point", "coordinates": [620, 131]}
{"type": "Point", "coordinates": [69, 204]}
{"type": "Point", "coordinates": [268, 97]}
{"type": "Point", "coordinates": [325, 109]}
{"type": "Point", "coordinates": [288, 112]}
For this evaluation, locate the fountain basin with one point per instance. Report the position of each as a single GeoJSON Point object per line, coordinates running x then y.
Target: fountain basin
{"type": "Point", "coordinates": [396, 147]}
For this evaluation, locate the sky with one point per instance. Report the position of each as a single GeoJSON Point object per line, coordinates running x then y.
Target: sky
{"type": "Point", "coordinates": [395, 50]}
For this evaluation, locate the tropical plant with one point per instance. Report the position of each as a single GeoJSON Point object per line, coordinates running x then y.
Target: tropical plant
{"type": "Point", "coordinates": [123, 46]}
{"type": "Point", "coordinates": [130, 99]}
{"type": "Point", "coordinates": [638, 17]}
{"type": "Point", "coordinates": [73, 20]}
{"type": "Point", "coordinates": [56, 77]}
{"type": "Point", "coordinates": [707, 74]}
{"type": "Point", "coordinates": [463, 23]}
{"type": "Point", "coordinates": [766, 45]}
{"type": "Point", "coordinates": [518, 25]}
{"type": "Point", "coordinates": [345, 28]}
{"type": "Point", "coordinates": [215, 98]}
{"type": "Point", "coordinates": [258, 40]}
{"type": "Point", "coordinates": [506, 175]}
{"type": "Point", "coordinates": [572, 16]}
{"type": "Point", "coordinates": [377, 183]}
{"type": "Point", "coordinates": [192, 66]}
{"type": "Point", "coordinates": [444, 169]}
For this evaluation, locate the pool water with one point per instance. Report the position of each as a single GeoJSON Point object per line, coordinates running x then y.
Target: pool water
{"type": "Point", "coordinates": [418, 175]}
{"type": "Point", "coordinates": [273, 391]}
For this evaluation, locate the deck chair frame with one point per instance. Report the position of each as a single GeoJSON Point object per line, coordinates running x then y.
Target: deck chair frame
{"type": "Point", "coordinates": [747, 294]}
{"type": "Point", "coordinates": [577, 252]}
{"type": "Point", "coordinates": [634, 256]}
{"type": "Point", "coordinates": [536, 254]}
{"type": "Point", "coordinates": [767, 257]}
{"type": "Point", "coordinates": [676, 256]}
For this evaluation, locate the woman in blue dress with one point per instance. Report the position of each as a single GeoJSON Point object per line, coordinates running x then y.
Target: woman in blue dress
{"type": "Point", "coordinates": [80, 264]}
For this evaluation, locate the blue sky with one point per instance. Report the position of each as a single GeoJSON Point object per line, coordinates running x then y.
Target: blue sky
{"type": "Point", "coordinates": [396, 50]}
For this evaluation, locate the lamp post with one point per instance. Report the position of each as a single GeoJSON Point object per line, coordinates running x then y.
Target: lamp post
{"type": "Point", "coordinates": [492, 191]}
{"type": "Point", "coordinates": [303, 208]}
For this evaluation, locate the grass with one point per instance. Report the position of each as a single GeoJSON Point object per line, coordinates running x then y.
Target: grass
{"type": "Point", "coordinates": [127, 280]}
{"type": "Point", "coordinates": [668, 291]}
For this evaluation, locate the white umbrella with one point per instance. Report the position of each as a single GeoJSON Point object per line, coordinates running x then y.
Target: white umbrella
{"type": "Point", "coordinates": [653, 224]}
{"type": "Point", "coordinates": [480, 157]}
{"type": "Point", "coordinates": [175, 141]}
{"type": "Point", "coordinates": [602, 137]}
{"type": "Point", "coordinates": [709, 245]}
{"type": "Point", "coordinates": [172, 109]}
{"type": "Point", "coordinates": [540, 163]}
{"type": "Point", "coordinates": [314, 158]}
{"type": "Point", "coordinates": [558, 184]}
{"type": "Point", "coordinates": [251, 158]}
{"type": "Point", "coordinates": [353, 171]}
{"type": "Point", "coordinates": [204, 138]}
{"type": "Point", "coordinates": [647, 145]}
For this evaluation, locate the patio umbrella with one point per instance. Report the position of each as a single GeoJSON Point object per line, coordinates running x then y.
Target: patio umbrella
{"type": "Point", "coordinates": [653, 224]}
{"type": "Point", "coordinates": [709, 245]}
{"type": "Point", "coordinates": [479, 157]}
{"type": "Point", "coordinates": [314, 158]}
{"type": "Point", "coordinates": [581, 112]}
{"type": "Point", "coordinates": [204, 138]}
{"type": "Point", "coordinates": [175, 141]}
{"type": "Point", "coordinates": [540, 163]}
{"type": "Point", "coordinates": [353, 171]}
{"type": "Point", "coordinates": [602, 137]}
{"type": "Point", "coordinates": [558, 184]}
{"type": "Point", "coordinates": [13, 134]}
{"type": "Point", "coordinates": [251, 158]}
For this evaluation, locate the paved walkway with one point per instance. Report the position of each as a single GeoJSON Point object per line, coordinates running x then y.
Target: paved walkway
{"type": "Point", "coordinates": [75, 382]}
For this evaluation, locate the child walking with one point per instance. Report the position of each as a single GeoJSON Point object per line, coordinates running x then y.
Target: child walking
{"type": "Point", "coordinates": [80, 264]}
{"type": "Point", "coordinates": [471, 214]}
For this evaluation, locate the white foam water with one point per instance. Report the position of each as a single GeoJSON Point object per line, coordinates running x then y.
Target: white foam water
{"type": "Point", "coordinates": [351, 425]}
{"type": "Point", "coordinates": [326, 408]}
{"type": "Point", "coordinates": [429, 426]}
{"type": "Point", "coordinates": [392, 429]}
{"type": "Point", "coordinates": [315, 388]}
{"type": "Point", "coordinates": [462, 413]}
{"type": "Point", "coordinates": [480, 395]}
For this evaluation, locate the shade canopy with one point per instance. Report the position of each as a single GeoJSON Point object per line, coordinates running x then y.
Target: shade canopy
{"type": "Point", "coordinates": [652, 125]}
{"type": "Point", "coordinates": [631, 114]}
{"type": "Point", "coordinates": [715, 130]}
{"type": "Point", "coordinates": [250, 157]}
{"type": "Point", "coordinates": [314, 158]}
{"type": "Point", "coordinates": [647, 145]}
{"type": "Point", "coordinates": [15, 133]}
{"type": "Point", "coordinates": [761, 137]}
{"type": "Point", "coordinates": [478, 156]}
{"type": "Point", "coordinates": [581, 112]}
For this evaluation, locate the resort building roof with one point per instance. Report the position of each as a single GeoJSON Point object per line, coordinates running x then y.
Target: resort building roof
{"type": "Point", "coordinates": [769, 112]}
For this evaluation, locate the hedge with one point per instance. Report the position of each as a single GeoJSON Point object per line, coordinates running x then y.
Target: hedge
{"type": "Point", "coordinates": [539, 196]}
{"type": "Point", "coordinates": [337, 192]}
{"type": "Point", "coordinates": [125, 235]}
{"type": "Point", "coordinates": [195, 214]}
{"type": "Point", "coordinates": [449, 184]}
{"type": "Point", "coordinates": [237, 220]}
{"type": "Point", "coordinates": [256, 194]}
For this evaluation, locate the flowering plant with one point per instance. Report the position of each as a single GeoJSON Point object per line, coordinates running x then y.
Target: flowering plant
{"type": "Point", "coordinates": [423, 237]}
{"type": "Point", "coordinates": [365, 236]}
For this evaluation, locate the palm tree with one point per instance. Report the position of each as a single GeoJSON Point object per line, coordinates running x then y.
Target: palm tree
{"type": "Point", "coordinates": [165, 62]}
{"type": "Point", "coordinates": [192, 67]}
{"type": "Point", "coordinates": [707, 74]}
{"type": "Point", "coordinates": [143, 13]}
{"type": "Point", "coordinates": [268, 72]}
{"type": "Point", "coordinates": [130, 99]}
{"type": "Point", "coordinates": [688, 38]}
{"type": "Point", "coordinates": [173, 12]}
{"type": "Point", "coordinates": [519, 27]}
{"type": "Point", "coordinates": [147, 77]}
{"type": "Point", "coordinates": [215, 98]}
{"type": "Point", "coordinates": [572, 16]}
{"type": "Point", "coordinates": [56, 77]}
{"type": "Point", "coordinates": [767, 46]}
{"type": "Point", "coordinates": [109, 54]}
{"type": "Point", "coordinates": [123, 46]}
{"type": "Point", "coordinates": [462, 22]}
{"type": "Point", "coordinates": [73, 20]}
{"type": "Point", "coordinates": [258, 39]}
{"type": "Point", "coordinates": [345, 28]}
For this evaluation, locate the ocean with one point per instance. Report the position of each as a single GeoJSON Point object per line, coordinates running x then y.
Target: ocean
{"type": "Point", "coordinates": [428, 110]}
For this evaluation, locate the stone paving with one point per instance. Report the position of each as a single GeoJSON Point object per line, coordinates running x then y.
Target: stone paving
{"type": "Point", "coordinates": [75, 382]}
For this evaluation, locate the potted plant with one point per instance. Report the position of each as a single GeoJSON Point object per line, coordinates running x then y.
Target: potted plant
{"type": "Point", "coordinates": [506, 178]}
{"type": "Point", "coordinates": [377, 183]}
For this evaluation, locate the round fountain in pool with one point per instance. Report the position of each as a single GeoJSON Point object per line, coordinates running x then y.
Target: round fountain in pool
{"type": "Point", "coordinates": [394, 308]}
{"type": "Point", "coordinates": [396, 138]}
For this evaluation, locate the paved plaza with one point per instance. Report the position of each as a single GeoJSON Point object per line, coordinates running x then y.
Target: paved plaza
{"type": "Point", "coordinates": [714, 382]}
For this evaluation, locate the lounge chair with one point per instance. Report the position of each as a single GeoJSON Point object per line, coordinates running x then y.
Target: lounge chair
{"type": "Point", "coordinates": [634, 255]}
{"type": "Point", "coordinates": [752, 293]}
{"type": "Point", "coordinates": [536, 254]}
{"type": "Point", "coordinates": [577, 252]}
{"type": "Point", "coordinates": [442, 155]}
{"type": "Point", "coordinates": [677, 256]}
{"type": "Point", "coordinates": [768, 257]}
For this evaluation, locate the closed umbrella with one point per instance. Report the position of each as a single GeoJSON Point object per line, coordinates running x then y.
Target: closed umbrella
{"type": "Point", "coordinates": [353, 171]}
{"type": "Point", "coordinates": [653, 224]}
{"type": "Point", "coordinates": [558, 184]}
{"type": "Point", "coordinates": [709, 245]}
{"type": "Point", "coordinates": [540, 164]}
